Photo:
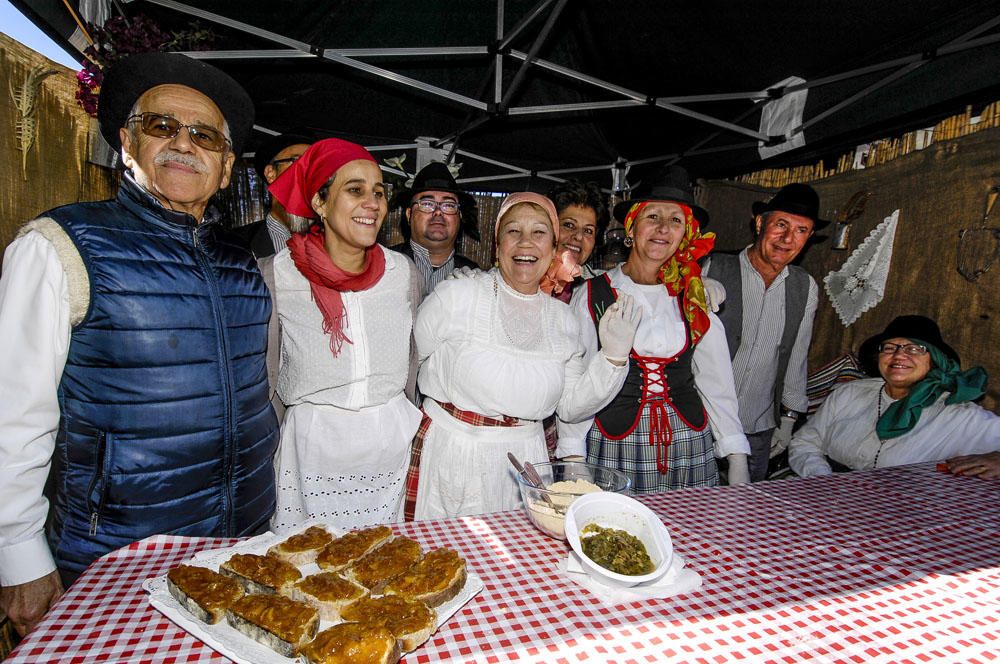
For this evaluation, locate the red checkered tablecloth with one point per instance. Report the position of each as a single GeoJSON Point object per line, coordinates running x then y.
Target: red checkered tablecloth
{"type": "Point", "coordinates": [895, 565]}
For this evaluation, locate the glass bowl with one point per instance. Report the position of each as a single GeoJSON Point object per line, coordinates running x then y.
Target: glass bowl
{"type": "Point", "coordinates": [547, 509]}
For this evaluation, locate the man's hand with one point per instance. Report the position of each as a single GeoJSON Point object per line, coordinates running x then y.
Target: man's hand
{"type": "Point", "coordinates": [782, 435]}
{"type": "Point", "coordinates": [463, 273]}
{"type": "Point", "coordinates": [26, 603]}
{"type": "Point", "coordinates": [715, 293]}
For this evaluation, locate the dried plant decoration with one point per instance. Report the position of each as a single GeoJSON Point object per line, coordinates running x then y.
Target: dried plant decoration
{"type": "Point", "coordinates": [24, 101]}
{"type": "Point", "coordinates": [979, 248]}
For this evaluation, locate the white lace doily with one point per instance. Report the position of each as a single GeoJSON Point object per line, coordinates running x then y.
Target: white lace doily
{"type": "Point", "coordinates": [860, 283]}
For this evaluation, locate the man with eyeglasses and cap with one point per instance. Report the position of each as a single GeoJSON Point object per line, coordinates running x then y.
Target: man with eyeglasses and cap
{"type": "Point", "coordinates": [768, 315]}
{"type": "Point", "coordinates": [132, 347]}
{"type": "Point", "coordinates": [274, 156]}
{"type": "Point", "coordinates": [435, 214]}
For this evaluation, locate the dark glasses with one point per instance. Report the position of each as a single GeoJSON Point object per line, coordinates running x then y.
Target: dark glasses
{"type": "Point", "coordinates": [164, 126]}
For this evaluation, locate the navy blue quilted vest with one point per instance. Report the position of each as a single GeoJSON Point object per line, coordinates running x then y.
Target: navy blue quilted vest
{"type": "Point", "coordinates": [166, 425]}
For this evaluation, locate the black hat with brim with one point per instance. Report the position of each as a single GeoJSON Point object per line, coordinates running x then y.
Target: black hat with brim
{"type": "Point", "coordinates": [671, 183]}
{"type": "Point", "coordinates": [127, 80]}
{"type": "Point", "coordinates": [272, 145]}
{"type": "Point", "coordinates": [798, 199]}
{"type": "Point", "coordinates": [920, 328]}
{"type": "Point", "coordinates": [435, 176]}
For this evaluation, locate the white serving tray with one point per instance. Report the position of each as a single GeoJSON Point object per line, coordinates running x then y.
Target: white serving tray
{"type": "Point", "coordinates": [227, 641]}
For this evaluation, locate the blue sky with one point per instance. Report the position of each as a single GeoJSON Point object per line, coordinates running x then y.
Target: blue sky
{"type": "Point", "coordinates": [20, 28]}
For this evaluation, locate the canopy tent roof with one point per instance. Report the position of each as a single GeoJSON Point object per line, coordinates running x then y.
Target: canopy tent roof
{"type": "Point", "coordinates": [527, 91]}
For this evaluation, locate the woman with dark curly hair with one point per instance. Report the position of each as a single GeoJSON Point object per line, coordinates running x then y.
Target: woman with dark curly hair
{"type": "Point", "coordinates": [583, 218]}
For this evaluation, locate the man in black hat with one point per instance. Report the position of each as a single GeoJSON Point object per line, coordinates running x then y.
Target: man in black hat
{"type": "Point", "coordinates": [132, 342]}
{"type": "Point", "coordinates": [272, 158]}
{"type": "Point", "coordinates": [435, 213]}
{"type": "Point", "coordinates": [768, 314]}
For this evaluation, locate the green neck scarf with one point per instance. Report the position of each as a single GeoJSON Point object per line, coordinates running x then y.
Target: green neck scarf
{"type": "Point", "coordinates": [945, 376]}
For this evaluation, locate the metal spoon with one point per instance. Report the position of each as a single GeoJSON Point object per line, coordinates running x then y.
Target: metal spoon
{"type": "Point", "coordinates": [529, 473]}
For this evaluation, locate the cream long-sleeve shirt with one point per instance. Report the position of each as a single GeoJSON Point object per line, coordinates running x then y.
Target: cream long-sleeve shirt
{"type": "Point", "coordinates": [490, 350]}
{"type": "Point", "coordinates": [34, 343]}
{"type": "Point", "coordinates": [844, 429]}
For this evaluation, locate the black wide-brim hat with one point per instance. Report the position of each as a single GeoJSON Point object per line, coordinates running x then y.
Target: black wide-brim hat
{"type": "Point", "coordinates": [435, 176]}
{"type": "Point", "coordinates": [796, 198]}
{"type": "Point", "coordinates": [272, 145]}
{"type": "Point", "coordinates": [126, 81]}
{"type": "Point", "coordinates": [907, 327]}
{"type": "Point", "coordinates": [670, 183]}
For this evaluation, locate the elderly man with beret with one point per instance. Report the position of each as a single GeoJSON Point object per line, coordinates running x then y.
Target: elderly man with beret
{"type": "Point", "coordinates": [132, 341]}
{"type": "Point", "coordinates": [768, 314]}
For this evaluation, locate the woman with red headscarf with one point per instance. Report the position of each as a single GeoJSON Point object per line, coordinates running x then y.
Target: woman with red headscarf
{"type": "Point", "coordinates": [345, 307]}
{"type": "Point", "coordinates": [677, 410]}
{"type": "Point", "coordinates": [498, 355]}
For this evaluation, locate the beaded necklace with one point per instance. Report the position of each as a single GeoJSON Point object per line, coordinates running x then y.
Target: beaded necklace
{"type": "Point", "coordinates": [877, 418]}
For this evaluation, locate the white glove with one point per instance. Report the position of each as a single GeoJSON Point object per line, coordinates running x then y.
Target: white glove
{"type": "Point", "coordinates": [782, 435]}
{"type": "Point", "coordinates": [617, 329]}
{"type": "Point", "coordinates": [739, 472]}
{"type": "Point", "coordinates": [464, 272]}
{"type": "Point", "coordinates": [715, 293]}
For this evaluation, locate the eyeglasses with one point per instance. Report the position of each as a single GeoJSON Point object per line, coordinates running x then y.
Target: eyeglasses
{"type": "Point", "coordinates": [158, 125]}
{"type": "Point", "coordinates": [428, 206]}
{"type": "Point", "coordinates": [913, 350]}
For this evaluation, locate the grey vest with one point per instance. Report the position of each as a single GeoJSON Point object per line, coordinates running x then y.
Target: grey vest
{"type": "Point", "coordinates": [726, 268]}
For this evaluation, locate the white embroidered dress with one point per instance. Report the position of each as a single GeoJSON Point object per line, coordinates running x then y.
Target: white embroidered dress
{"type": "Point", "coordinates": [345, 439]}
{"type": "Point", "coordinates": [488, 349]}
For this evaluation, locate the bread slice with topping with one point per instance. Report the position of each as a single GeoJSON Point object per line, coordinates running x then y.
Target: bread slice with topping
{"type": "Point", "coordinates": [328, 592]}
{"type": "Point", "coordinates": [204, 593]}
{"type": "Point", "coordinates": [376, 569]}
{"type": "Point", "coordinates": [410, 621]}
{"type": "Point", "coordinates": [353, 643]}
{"type": "Point", "coordinates": [351, 546]}
{"type": "Point", "coordinates": [280, 623]}
{"type": "Point", "coordinates": [302, 548]}
{"type": "Point", "coordinates": [262, 575]}
{"type": "Point", "coordinates": [434, 580]}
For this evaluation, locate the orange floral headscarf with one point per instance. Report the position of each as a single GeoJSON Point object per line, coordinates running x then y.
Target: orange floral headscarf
{"type": "Point", "coordinates": [681, 273]}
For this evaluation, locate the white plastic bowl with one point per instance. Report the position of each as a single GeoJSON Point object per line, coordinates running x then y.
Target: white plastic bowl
{"type": "Point", "coordinates": [613, 510]}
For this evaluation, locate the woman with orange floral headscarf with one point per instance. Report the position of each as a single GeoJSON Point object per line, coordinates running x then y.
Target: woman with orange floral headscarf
{"type": "Point", "coordinates": [677, 410]}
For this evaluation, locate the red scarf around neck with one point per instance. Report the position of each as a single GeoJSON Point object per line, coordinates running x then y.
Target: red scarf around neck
{"type": "Point", "coordinates": [327, 281]}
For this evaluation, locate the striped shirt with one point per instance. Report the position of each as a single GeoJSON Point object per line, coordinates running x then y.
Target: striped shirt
{"type": "Point", "coordinates": [280, 235]}
{"type": "Point", "coordinates": [755, 365]}
{"type": "Point", "coordinates": [430, 275]}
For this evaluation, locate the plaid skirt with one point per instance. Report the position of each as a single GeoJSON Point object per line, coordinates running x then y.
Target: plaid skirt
{"type": "Point", "coordinates": [690, 455]}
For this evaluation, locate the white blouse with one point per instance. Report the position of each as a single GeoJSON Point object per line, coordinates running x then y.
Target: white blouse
{"type": "Point", "coordinates": [368, 372]}
{"type": "Point", "coordinates": [844, 429]}
{"type": "Point", "coordinates": [662, 333]}
{"type": "Point", "coordinates": [491, 350]}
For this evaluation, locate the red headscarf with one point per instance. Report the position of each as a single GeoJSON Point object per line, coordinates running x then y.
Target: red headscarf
{"type": "Point", "coordinates": [681, 273]}
{"type": "Point", "coordinates": [295, 189]}
{"type": "Point", "coordinates": [563, 268]}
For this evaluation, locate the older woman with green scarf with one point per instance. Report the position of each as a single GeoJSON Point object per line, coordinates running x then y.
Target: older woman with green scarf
{"type": "Point", "coordinates": [918, 409]}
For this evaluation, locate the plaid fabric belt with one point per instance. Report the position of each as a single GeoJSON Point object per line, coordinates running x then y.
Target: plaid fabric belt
{"type": "Point", "coordinates": [475, 419]}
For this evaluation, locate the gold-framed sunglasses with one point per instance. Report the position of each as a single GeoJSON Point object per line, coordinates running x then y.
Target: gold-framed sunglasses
{"type": "Point", "coordinates": [159, 125]}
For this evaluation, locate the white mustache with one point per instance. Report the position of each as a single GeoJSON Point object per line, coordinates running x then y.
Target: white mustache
{"type": "Point", "coordinates": [181, 158]}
